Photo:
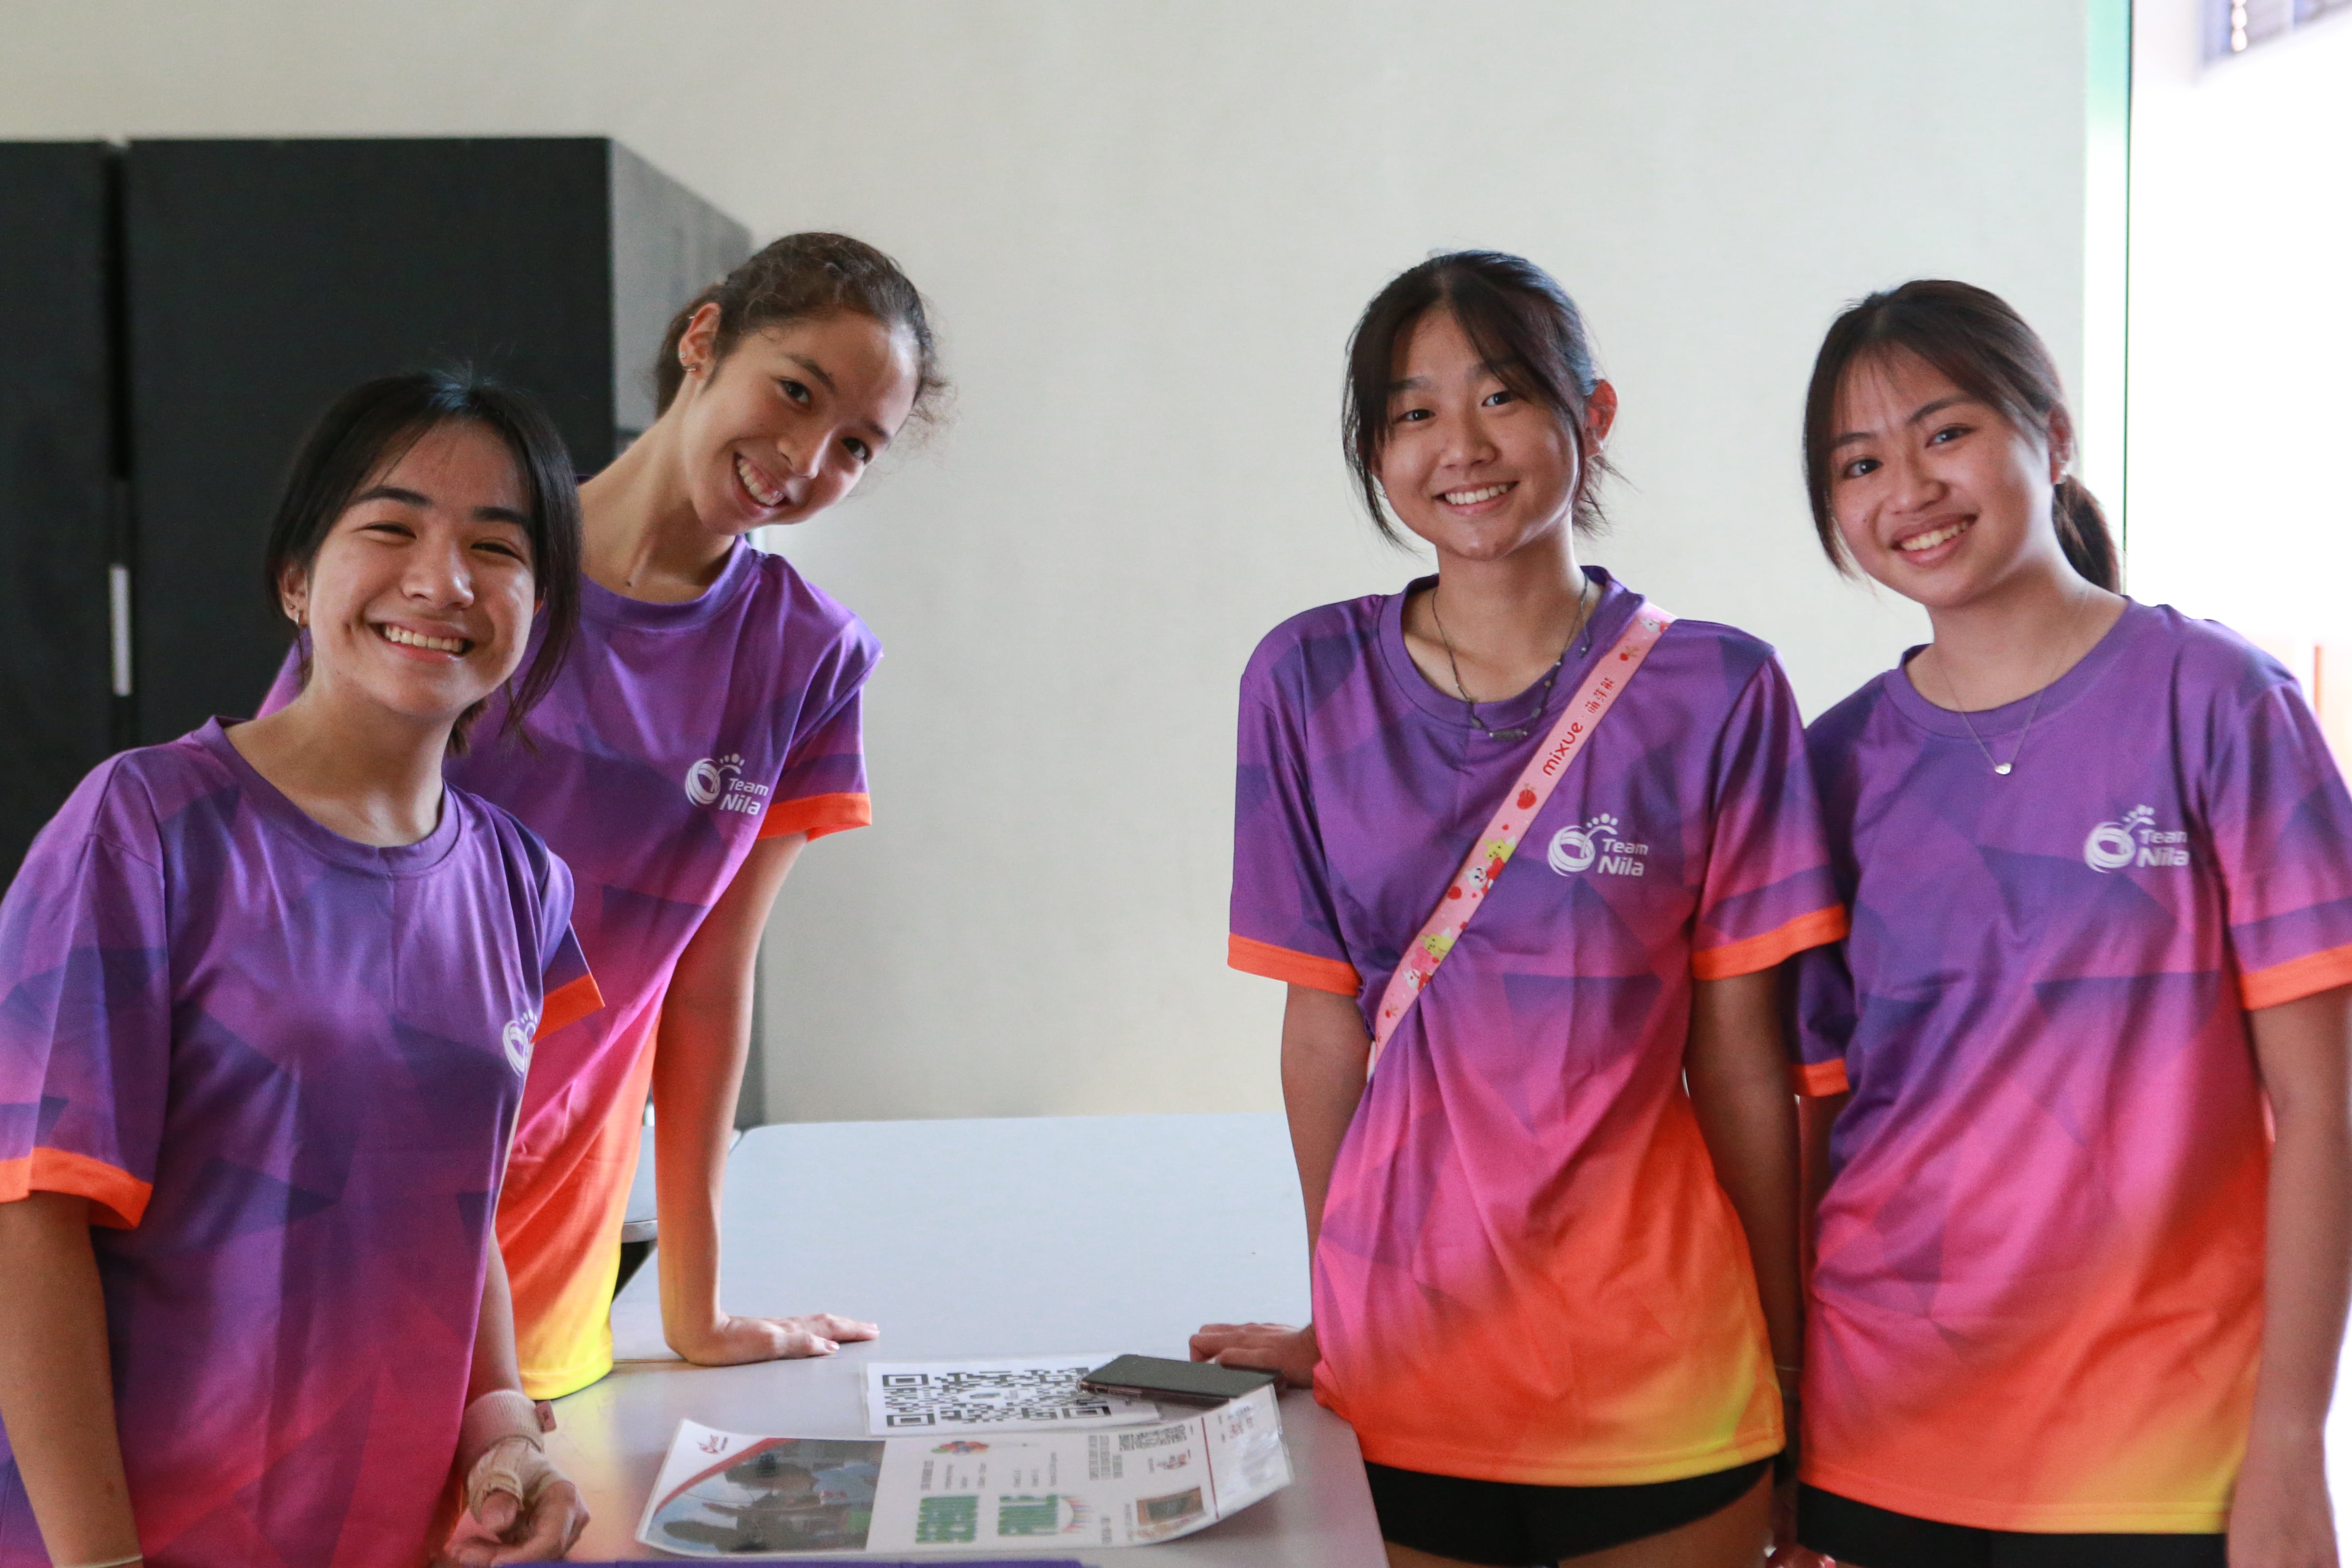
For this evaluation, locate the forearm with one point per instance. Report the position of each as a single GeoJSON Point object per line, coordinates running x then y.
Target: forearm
{"type": "Point", "coordinates": [1325, 1058]}
{"type": "Point", "coordinates": [697, 1074]}
{"type": "Point", "coordinates": [2307, 1265]}
{"type": "Point", "coordinates": [56, 1387]}
{"type": "Point", "coordinates": [1816, 1117]}
{"type": "Point", "coordinates": [1738, 1084]}
{"type": "Point", "coordinates": [495, 1365]}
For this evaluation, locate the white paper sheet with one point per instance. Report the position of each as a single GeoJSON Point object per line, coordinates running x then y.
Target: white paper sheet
{"type": "Point", "coordinates": [726, 1494]}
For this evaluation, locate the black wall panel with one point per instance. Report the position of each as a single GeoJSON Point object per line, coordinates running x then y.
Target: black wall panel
{"type": "Point", "coordinates": [265, 278]}
{"type": "Point", "coordinates": [56, 426]}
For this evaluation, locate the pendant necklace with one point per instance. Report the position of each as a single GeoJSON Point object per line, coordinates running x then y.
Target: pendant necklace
{"type": "Point", "coordinates": [2004, 768]}
{"type": "Point", "coordinates": [1543, 692]}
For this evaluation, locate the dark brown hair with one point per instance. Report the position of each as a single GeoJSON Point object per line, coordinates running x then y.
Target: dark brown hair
{"type": "Point", "coordinates": [796, 279]}
{"type": "Point", "coordinates": [1972, 339]}
{"type": "Point", "coordinates": [368, 429]}
{"type": "Point", "coordinates": [1519, 320]}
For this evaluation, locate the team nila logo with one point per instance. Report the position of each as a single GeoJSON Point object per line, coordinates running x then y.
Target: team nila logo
{"type": "Point", "coordinates": [1599, 845]}
{"type": "Point", "coordinates": [2135, 841]}
{"type": "Point", "coordinates": [517, 1037]}
{"type": "Point", "coordinates": [719, 781]}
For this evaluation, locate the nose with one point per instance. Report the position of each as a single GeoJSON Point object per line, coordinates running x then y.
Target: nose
{"type": "Point", "coordinates": [439, 574]}
{"type": "Point", "coordinates": [800, 457]}
{"type": "Point", "coordinates": [1462, 441]}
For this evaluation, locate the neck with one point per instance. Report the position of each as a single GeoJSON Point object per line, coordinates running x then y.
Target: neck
{"type": "Point", "coordinates": [642, 538]}
{"type": "Point", "coordinates": [2013, 641]}
{"type": "Point", "coordinates": [373, 778]}
{"type": "Point", "coordinates": [1515, 608]}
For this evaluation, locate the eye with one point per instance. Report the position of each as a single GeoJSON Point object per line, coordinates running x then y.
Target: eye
{"type": "Point", "coordinates": [1499, 397]}
{"type": "Point", "coordinates": [1412, 416]}
{"type": "Point", "coordinates": [505, 548]}
{"type": "Point", "coordinates": [1948, 435]}
{"type": "Point", "coordinates": [388, 528]}
{"type": "Point", "coordinates": [1858, 467]}
{"type": "Point", "coordinates": [858, 449]}
{"type": "Point", "coordinates": [796, 390]}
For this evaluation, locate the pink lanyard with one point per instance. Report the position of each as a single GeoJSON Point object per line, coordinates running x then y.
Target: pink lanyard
{"type": "Point", "coordinates": [1510, 824]}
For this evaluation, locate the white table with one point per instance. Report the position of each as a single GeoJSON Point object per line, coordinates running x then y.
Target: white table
{"type": "Point", "coordinates": [986, 1238]}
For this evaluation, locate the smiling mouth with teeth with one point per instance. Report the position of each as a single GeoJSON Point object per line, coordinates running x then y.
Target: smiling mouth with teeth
{"type": "Point", "coordinates": [1471, 498]}
{"type": "Point", "coordinates": [1918, 543]}
{"type": "Point", "coordinates": [407, 639]}
{"type": "Point", "coordinates": [756, 483]}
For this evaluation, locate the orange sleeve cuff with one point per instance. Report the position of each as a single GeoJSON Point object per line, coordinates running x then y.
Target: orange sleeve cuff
{"type": "Point", "coordinates": [2296, 978]}
{"type": "Point", "coordinates": [567, 1004]}
{"type": "Point", "coordinates": [121, 1199]}
{"type": "Point", "coordinates": [1818, 1080]}
{"type": "Point", "coordinates": [1818, 929]}
{"type": "Point", "coordinates": [1295, 968]}
{"type": "Point", "coordinates": [817, 815]}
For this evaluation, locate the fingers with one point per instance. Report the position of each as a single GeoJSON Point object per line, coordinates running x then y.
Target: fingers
{"type": "Point", "coordinates": [498, 1512]}
{"type": "Point", "coordinates": [829, 1325]}
{"type": "Point", "coordinates": [557, 1517]}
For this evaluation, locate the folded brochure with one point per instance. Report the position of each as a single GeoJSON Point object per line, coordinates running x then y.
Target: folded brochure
{"type": "Point", "coordinates": [726, 1494]}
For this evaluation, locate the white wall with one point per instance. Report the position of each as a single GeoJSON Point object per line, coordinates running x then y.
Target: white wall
{"type": "Point", "coordinates": [1147, 230]}
{"type": "Point", "coordinates": [2242, 328]}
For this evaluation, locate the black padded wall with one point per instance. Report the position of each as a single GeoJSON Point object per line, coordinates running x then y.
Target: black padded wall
{"type": "Point", "coordinates": [265, 278]}
{"type": "Point", "coordinates": [56, 459]}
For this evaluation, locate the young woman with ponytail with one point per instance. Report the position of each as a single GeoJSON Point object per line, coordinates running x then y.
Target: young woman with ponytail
{"type": "Point", "coordinates": [705, 729]}
{"type": "Point", "coordinates": [2078, 1122]}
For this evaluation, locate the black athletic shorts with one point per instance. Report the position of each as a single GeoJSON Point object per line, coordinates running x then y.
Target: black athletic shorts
{"type": "Point", "coordinates": [1515, 1526]}
{"type": "Point", "coordinates": [1864, 1537]}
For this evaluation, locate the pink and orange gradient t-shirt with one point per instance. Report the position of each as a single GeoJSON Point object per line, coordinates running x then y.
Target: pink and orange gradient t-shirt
{"type": "Point", "coordinates": [1527, 1271]}
{"type": "Point", "coordinates": [2038, 1299]}
{"type": "Point", "coordinates": [677, 737]}
{"type": "Point", "coordinates": [283, 1067]}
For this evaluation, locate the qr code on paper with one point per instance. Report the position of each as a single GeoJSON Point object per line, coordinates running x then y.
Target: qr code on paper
{"type": "Point", "coordinates": [1040, 1395]}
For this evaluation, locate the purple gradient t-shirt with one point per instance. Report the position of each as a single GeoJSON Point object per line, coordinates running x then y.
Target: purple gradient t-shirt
{"type": "Point", "coordinates": [1527, 1271]}
{"type": "Point", "coordinates": [283, 1067]}
{"type": "Point", "coordinates": [2038, 1299]}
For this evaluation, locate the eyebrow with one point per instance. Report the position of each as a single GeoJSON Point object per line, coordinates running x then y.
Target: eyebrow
{"type": "Point", "coordinates": [1493, 368]}
{"type": "Point", "coordinates": [825, 378]}
{"type": "Point", "coordinates": [419, 500]}
{"type": "Point", "coordinates": [1925, 410]}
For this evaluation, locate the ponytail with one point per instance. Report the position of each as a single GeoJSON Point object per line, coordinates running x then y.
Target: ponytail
{"type": "Point", "coordinates": [2082, 534]}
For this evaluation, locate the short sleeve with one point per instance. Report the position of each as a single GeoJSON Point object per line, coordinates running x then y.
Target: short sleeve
{"type": "Point", "coordinates": [2280, 824]}
{"type": "Point", "coordinates": [822, 787]}
{"type": "Point", "coordinates": [567, 990]}
{"type": "Point", "coordinates": [85, 1024]}
{"type": "Point", "coordinates": [1821, 994]}
{"type": "Point", "coordinates": [1767, 892]}
{"type": "Point", "coordinates": [1283, 926]}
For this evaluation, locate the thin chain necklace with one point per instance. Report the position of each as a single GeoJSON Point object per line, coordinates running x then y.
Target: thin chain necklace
{"type": "Point", "coordinates": [2004, 769]}
{"type": "Point", "coordinates": [1543, 693]}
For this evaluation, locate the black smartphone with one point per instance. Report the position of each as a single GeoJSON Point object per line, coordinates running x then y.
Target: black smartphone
{"type": "Point", "coordinates": [1177, 1382]}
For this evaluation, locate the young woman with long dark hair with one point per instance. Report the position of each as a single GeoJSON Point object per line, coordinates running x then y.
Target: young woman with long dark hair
{"type": "Point", "coordinates": [2080, 1074]}
{"type": "Point", "coordinates": [267, 996]}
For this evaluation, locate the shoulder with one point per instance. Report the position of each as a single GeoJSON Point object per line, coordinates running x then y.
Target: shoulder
{"type": "Point", "coordinates": [1839, 728]}
{"type": "Point", "coordinates": [500, 835]}
{"type": "Point", "coordinates": [137, 804]}
{"type": "Point", "coordinates": [811, 624]}
{"type": "Point", "coordinates": [1310, 653]}
{"type": "Point", "coordinates": [2207, 656]}
{"type": "Point", "coordinates": [1712, 646]}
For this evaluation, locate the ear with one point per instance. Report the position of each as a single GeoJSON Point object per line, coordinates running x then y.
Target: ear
{"type": "Point", "coordinates": [698, 346]}
{"type": "Point", "coordinates": [2062, 444]}
{"type": "Point", "coordinates": [1599, 414]}
{"type": "Point", "coordinates": [294, 593]}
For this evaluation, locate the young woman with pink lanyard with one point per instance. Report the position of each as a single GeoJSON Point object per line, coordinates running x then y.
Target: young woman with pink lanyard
{"type": "Point", "coordinates": [1528, 852]}
{"type": "Point", "coordinates": [2079, 1078]}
